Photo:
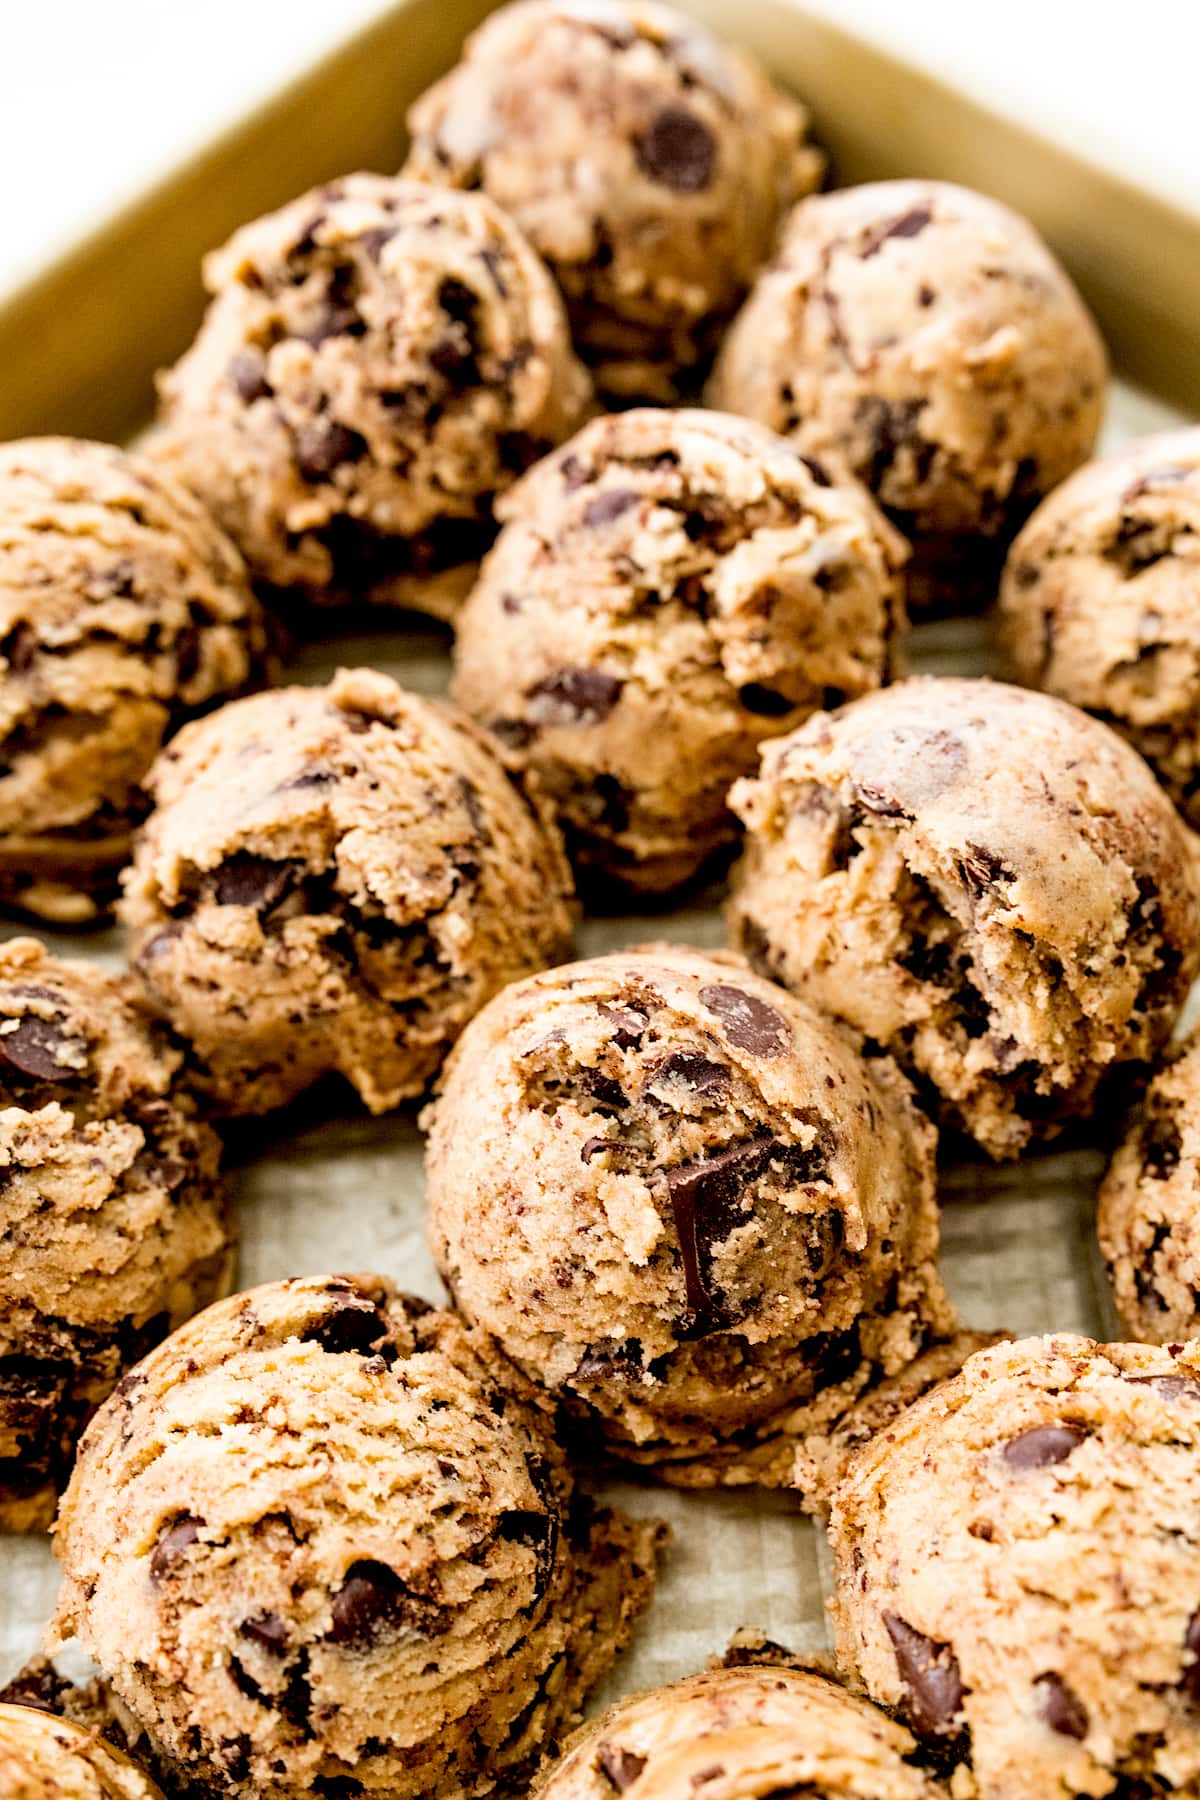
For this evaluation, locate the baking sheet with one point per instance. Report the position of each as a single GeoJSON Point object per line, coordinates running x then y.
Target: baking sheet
{"type": "Point", "coordinates": [347, 1192]}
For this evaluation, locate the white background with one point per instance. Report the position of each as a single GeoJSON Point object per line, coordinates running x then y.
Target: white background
{"type": "Point", "coordinates": [99, 97]}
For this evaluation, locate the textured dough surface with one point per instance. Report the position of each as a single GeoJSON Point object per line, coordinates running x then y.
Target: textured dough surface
{"type": "Point", "coordinates": [1018, 1569]}
{"type": "Point", "coordinates": [378, 361]}
{"type": "Point", "coordinates": [670, 589]}
{"type": "Point", "coordinates": [322, 1541]}
{"type": "Point", "coordinates": [741, 1733]}
{"type": "Point", "coordinates": [925, 334]}
{"type": "Point", "coordinates": [113, 1223]}
{"type": "Point", "coordinates": [681, 1201]}
{"type": "Point", "coordinates": [985, 881]}
{"type": "Point", "coordinates": [1100, 601]}
{"type": "Point", "coordinates": [46, 1758]}
{"type": "Point", "coordinates": [123, 609]}
{"type": "Point", "coordinates": [1149, 1213]}
{"type": "Point", "coordinates": [334, 880]}
{"type": "Point", "coordinates": [649, 163]}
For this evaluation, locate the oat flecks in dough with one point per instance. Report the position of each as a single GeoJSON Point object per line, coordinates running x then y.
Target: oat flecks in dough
{"type": "Point", "coordinates": [378, 361]}
{"type": "Point", "coordinates": [741, 1733]}
{"type": "Point", "coordinates": [1018, 1569]}
{"type": "Point", "coordinates": [1100, 601]}
{"type": "Point", "coordinates": [985, 881]}
{"type": "Point", "coordinates": [669, 590]}
{"type": "Point", "coordinates": [323, 1535]}
{"type": "Point", "coordinates": [680, 1200]}
{"type": "Point", "coordinates": [123, 609]}
{"type": "Point", "coordinates": [649, 163]}
{"type": "Point", "coordinates": [46, 1758]}
{"type": "Point", "coordinates": [334, 880]}
{"type": "Point", "coordinates": [113, 1224]}
{"type": "Point", "coordinates": [926, 334]}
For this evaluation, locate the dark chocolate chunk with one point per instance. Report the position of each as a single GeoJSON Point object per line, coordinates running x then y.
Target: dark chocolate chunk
{"type": "Point", "coordinates": [172, 1543]}
{"type": "Point", "coordinates": [619, 1361]}
{"type": "Point", "coordinates": [818, 471]}
{"type": "Point", "coordinates": [247, 372]}
{"type": "Point", "coordinates": [1171, 1387]}
{"type": "Point", "coordinates": [1161, 1143]}
{"type": "Point", "coordinates": [909, 225]}
{"type": "Point", "coordinates": [351, 1327]}
{"type": "Point", "coordinates": [696, 1074]}
{"type": "Point", "coordinates": [764, 702]}
{"type": "Point", "coordinates": [1043, 1446]}
{"type": "Point", "coordinates": [628, 1023]}
{"type": "Point", "coordinates": [35, 1046]}
{"type": "Point", "coordinates": [373, 1603]}
{"type": "Point", "coordinates": [705, 1201]}
{"type": "Point", "coordinates": [981, 870]}
{"type": "Point", "coordinates": [1189, 1681]}
{"type": "Point", "coordinates": [1061, 1706]}
{"type": "Point", "coordinates": [538, 1532]}
{"type": "Point", "coordinates": [749, 1023]}
{"type": "Point", "coordinates": [18, 647]}
{"type": "Point", "coordinates": [253, 881]}
{"type": "Point", "coordinates": [268, 1631]}
{"type": "Point", "coordinates": [609, 505]}
{"type": "Point", "coordinates": [677, 150]}
{"type": "Point", "coordinates": [930, 1673]}
{"type": "Point", "coordinates": [584, 696]}
{"type": "Point", "coordinates": [323, 445]}
{"type": "Point", "coordinates": [621, 1766]}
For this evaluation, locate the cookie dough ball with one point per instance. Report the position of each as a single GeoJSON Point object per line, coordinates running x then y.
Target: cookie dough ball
{"type": "Point", "coordinates": [1100, 602]}
{"type": "Point", "coordinates": [1018, 1569]}
{"type": "Point", "coordinates": [123, 609]}
{"type": "Point", "coordinates": [738, 1734]}
{"type": "Point", "coordinates": [323, 1542]}
{"type": "Point", "coordinates": [682, 1202]}
{"type": "Point", "coordinates": [1149, 1217]}
{"type": "Point", "coordinates": [379, 360]}
{"type": "Point", "coordinates": [670, 590]}
{"type": "Point", "coordinates": [927, 335]}
{"type": "Point", "coordinates": [984, 881]}
{"type": "Point", "coordinates": [334, 879]}
{"type": "Point", "coordinates": [44, 1758]}
{"type": "Point", "coordinates": [113, 1225]}
{"type": "Point", "coordinates": [649, 163]}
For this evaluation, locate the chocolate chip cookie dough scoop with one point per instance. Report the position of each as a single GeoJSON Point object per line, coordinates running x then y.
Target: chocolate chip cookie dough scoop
{"type": "Point", "coordinates": [323, 1542]}
{"type": "Point", "coordinates": [123, 610]}
{"type": "Point", "coordinates": [1018, 1570]}
{"type": "Point", "coordinates": [742, 1733]}
{"type": "Point", "coordinates": [113, 1225]}
{"type": "Point", "coordinates": [649, 163]}
{"type": "Point", "coordinates": [925, 334]}
{"type": "Point", "coordinates": [378, 361]}
{"type": "Point", "coordinates": [333, 881]}
{"type": "Point", "coordinates": [682, 1202]}
{"type": "Point", "coordinates": [986, 882]}
{"type": "Point", "coordinates": [670, 589]}
{"type": "Point", "coordinates": [44, 1758]}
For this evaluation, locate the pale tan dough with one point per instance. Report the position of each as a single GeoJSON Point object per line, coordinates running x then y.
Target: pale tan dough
{"type": "Point", "coordinates": [925, 334]}
{"type": "Point", "coordinates": [378, 361]}
{"type": "Point", "coordinates": [123, 611]}
{"type": "Point", "coordinates": [1018, 1570]}
{"type": "Point", "coordinates": [649, 162]}
{"type": "Point", "coordinates": [114, 1226]}
{"type": "Point", "coordinates": [681, 1201]}
{"type": "Point", "coordinates": [1100, 601]}
{"type": "Point", "coordinates": [983, 880]}
{"type": "Point", "coordinates": [670, 589]}
{"type": "Point", "coordinates": [333, 880]}
{"type": "Point", "coordinates": [46, 1758]}
{"type": "Point", "coordinates": [322, 1541]}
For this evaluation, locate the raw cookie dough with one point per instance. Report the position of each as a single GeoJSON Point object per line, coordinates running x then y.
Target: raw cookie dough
{"type": "Point", "coordinates": [741, 1733]}
{"type": "Point", "coordinates": [1149, 1216]}
{"type": "Point", "coordinates": [334, 880]}
{"type": "Point", "coordinates": [379, 360]}
{"type": "Point", "coordinates": [668, 591]}
{"type": "Point", "coordinates": [123, 609]}
{"type": "Point", "coordinates": [113, 1223]}
{"type": "Point", "coordinates": [45, 1758]}
{"type": "Point", "coordinates": [1100, 601]}
{"type": "Point", "coordinates": [983, 880]}
{"type": "Point", "coordinates": [1018, 1569]}
{"type": "Point", "coordinates": [323, 1542]}
{"type": "Point", "coordinates": [649, 163]}
{"type": "Point", "coordinates": [927, 335]}
{"type": "Point", "coordinates": [681, 1201]}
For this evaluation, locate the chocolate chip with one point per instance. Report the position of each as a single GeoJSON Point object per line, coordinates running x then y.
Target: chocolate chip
{"type": "Point", "coordinates": [621, 1766]}
{"type": "Point", "coordinates": [247, 372]}
{"type": "Point", "coordinates": [1171, 1387]}
{"type": "Point", "coordinates": [628, 1024]}
{"type": "Point", "coordinates": [1189, 1681]}
{"type": "Point", "coordinates": [253, 881]}
{"type": "Point", "coordinates": [980, 870]}
{"type": "Point", "coordinates": [689, 1070]}
{"type": "Point", "coordinates": [596, 1146]}
{"type": "Point", "coordinates": [930, 1673]}
{"type": "Point", "coordinates": [1161, 1144]}
{"type": "Point", "coordinates": [677, 150]}
{"type": "Point", "coordinates": [818, 471]}
{"type": "Point", "coordinates": [373, 1603]}
{"type": "Point", "coordinates": [18, 647]}
{"type": "Point", "coordinates": [268, 1631]}
{"type": "Point", "coordinates": [575, 697]}
{"type": "Point", "coordinates": [172, 1543]}
{"type": "Point", "coordinates": [621, 1361]}
{"type": "Point", "coordinates": [908, 225]}
{"type": "Point", "coordinates": [35, 1046]}
{"type": "Point", "coordinates": [335, 320]}
{"type": "Point", "coordinates": [765, 702]}
{"type": "Point", "coordinates": [1043, 1446]}
{"type": "Point", "coordinates": [1061, 1706]}
{"type": "Point", "coordinates": [538, 1532]}
{"type": "Point", "coordinates": [888, 427]}
{"type": "Point", "coordinates": [323, 445]}
{"type": "Point", "coordinates": [705, 1201]}
{"type": "Point", "coordinates": [352, 1327]}
{"type": "Point", "coordinates": [609, 506]}
{"type": "Point", "coordinates": [749, 1023]}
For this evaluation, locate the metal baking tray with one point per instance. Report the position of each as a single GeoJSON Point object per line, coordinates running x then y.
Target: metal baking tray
{"type": "Point", "coordinates": [78, 349]}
